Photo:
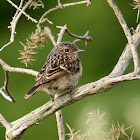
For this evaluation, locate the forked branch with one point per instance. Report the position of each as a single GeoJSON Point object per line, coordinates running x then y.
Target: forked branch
{"type": "Point", "coordinates": [127, 34]}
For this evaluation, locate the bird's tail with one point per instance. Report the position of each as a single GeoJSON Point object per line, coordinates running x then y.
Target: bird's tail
{"type": "Point", "coordinates": [31, 92]}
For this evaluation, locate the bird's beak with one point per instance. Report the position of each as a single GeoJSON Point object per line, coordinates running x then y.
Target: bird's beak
{"type": "Point", "coordinates": [78, 51]}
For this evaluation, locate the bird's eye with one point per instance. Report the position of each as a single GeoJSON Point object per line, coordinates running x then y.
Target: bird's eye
{"type": "Point", "coordinates": [66, 50]}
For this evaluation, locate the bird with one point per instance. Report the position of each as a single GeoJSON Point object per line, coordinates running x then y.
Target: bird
{"type": "Point", "coordinates": [61, 71]}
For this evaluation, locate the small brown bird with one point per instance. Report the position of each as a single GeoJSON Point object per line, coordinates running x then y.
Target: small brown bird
{"type": "Point", "coordinates": [60, 72]}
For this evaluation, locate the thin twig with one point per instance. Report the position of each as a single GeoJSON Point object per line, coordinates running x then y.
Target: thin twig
{"type": "Point", "coordinates": [4, 122]}
{"type": "Point", "coordinates": [5, 45]}
{"type": "Point", "coordinates": [20, 6]}
{"type": "Point", "coordinates": [14, 23]}
{"type": "Point", "coordinates": [60, 124]}
{"type": "Point", "coordinates": [28, 16]}
{"type": "Point", "coordinates": [85, 37]}
{"type": "Point", "coordinates": [6, 67]}
{"type": "Point", "coordinates": [123, 63]}
{"type": "Point", "coordinates": [62, 31]}
{"type": "Point", "coordinates": [127, 34]}
{"type": "Point", "coordinates": [65, 29]}
{"type": "Point", "coordinates": [50, 36]}
{"type": "Point", "coordinates": [4, 95]}
{"type": "Point", "coordinates": [88, 2]}
{"type": "Point", "coordinates": [6, 86]}
{"type": "Point", "coordinates": [59, 4]}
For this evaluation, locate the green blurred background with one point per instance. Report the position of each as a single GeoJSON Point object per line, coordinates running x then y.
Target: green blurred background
{"type": "Point", "coordinates": [120, 104]}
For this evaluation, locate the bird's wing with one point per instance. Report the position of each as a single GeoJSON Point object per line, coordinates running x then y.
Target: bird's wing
{"type": "Point", "coordinates": [54, 71]}
{"type": "Point", "coordinates": [49, 73]}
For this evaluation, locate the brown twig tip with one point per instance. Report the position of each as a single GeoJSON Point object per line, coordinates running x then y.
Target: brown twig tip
{"type": "Point", "coordinates": [85, 37]}
{"type": "Point", "coordinates": [78, 38]}
{"type": "Point", "coordinates": [6, 87]}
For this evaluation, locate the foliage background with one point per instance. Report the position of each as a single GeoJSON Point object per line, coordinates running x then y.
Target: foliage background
{"type": "Point", "coordinates": [120, 104]}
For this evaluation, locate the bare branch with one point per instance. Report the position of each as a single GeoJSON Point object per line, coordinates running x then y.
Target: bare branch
{"type": "Point", "coordinates": [123, 63]}
{"type": "Point", "coordinates": [4, 95]}
{"type": "Point", "coordinates": [62, 31]}
{"type": "Point", "coordinates": [85, 37]}
{"type": "Point", "coordinates": [50, 36]}
{"type": "Point", "coordinates": [127, 34]}
{"type": "Point", "coordinates": [88, 2]}
{"type": "Point", "coordinates": [6, 87]}
{"type": "Point", "coordinates": [65, 29]}
{"type": "Point", "coordinates": [20, 6]}
{"type": "Point", "coordinates": [60, 124]}
{"type": "Point", "coordinates": [14, 23]}
{"type": "Point", "coordinates": [5, 45]}
{"type": "Point", "coordinates": [28, 16]}
{"type": "Point", "coordinates": [4, 122]}
{"type": "Point", "coordinates": [79, 93]}
{"type": "Point", "coordinates": [13, 69]}
{"type": "Point", "coordinates": [18, 131]}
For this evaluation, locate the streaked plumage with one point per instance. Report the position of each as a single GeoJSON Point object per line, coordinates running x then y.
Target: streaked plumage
{"type": "Point", "coordinates": [60, 72]}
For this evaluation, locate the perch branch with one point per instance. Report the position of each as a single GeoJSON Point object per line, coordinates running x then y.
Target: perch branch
{"type": "Point", "coordinates": [7, 68]}
{"type": "Point", "coordinates": [127, 34]}
{"type": "Point", "coordinates": [88, 2]}
{"type": "Point", "coordinates": [79, 93]}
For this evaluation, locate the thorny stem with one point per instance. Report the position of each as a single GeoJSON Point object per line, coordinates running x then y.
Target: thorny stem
{"type": "Point", "coordinates": [14, 23]}
{"type": "Point", "coordinates": [28, 16]}
{"type": "Point", "coordinates": [88, 2]}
